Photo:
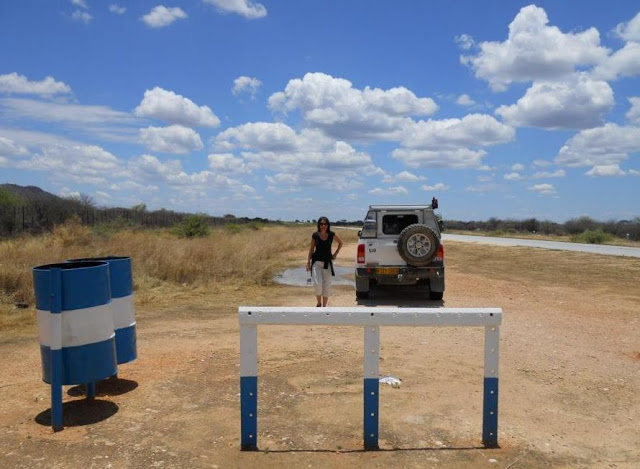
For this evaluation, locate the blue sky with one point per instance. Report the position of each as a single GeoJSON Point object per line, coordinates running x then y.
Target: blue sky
{"type": "Point", "coordinates": [293, 109]}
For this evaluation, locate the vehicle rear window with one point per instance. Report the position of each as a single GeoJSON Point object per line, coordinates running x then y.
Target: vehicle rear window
{"type": "Point", "coordinates": [394, 224]}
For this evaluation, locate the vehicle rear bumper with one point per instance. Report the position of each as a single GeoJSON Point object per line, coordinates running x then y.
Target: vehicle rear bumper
{"type": "Point", "coordinates": [405, 275]}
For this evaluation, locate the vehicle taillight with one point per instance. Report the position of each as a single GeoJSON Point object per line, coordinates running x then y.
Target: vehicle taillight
{"type": "Point", "coordinates": [440, 255]}
{"type": "Point", "coordinates": [360, 253]}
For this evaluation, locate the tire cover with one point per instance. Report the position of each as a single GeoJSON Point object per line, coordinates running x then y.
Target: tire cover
{"type": "Point", "coordinates": [418, 244]}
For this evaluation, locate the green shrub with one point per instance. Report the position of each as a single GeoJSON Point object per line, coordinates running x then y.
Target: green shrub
{"type": "Point", "coordinates": [592, 237]}
{"type": "Point", "coordinates": [193, 226]}
{"type": "Point", "coordinates": [233, 228]}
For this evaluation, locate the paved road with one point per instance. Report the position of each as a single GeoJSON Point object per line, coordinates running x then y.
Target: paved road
{"type": "Point", "coordinates": [591, 248]}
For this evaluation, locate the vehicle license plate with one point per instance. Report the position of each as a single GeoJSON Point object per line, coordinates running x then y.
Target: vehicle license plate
{"type": "Point", "coordinates": [388, 270]}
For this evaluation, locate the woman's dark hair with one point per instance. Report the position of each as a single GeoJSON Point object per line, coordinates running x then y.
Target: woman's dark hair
{"type": "Point", "coordinates": [328, 223]}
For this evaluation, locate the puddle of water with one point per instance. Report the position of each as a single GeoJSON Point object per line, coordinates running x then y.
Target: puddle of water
{"type": "Point", "coordinates": [298, 277]}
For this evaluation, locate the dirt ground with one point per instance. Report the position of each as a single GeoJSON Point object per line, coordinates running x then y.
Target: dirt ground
{"type": "Point", "coordinates": [569, 386]}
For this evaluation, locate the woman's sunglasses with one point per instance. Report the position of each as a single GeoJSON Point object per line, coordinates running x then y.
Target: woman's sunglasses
{"type": "Point", "coordinates": [323, 224]}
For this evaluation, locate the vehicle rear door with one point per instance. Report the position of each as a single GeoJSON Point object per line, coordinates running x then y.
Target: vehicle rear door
{"type": "Point", "coordinates": [390, 225]}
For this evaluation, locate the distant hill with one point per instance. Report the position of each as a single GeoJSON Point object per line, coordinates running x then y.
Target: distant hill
{"type": "Point", "coordinates": [30, 193]}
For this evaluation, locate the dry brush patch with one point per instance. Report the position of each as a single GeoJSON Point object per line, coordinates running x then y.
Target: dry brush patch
{"type": "Point", "coordinates": [167, 269]}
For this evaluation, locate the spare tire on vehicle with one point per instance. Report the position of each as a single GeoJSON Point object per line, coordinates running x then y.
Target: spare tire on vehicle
{"type": "Point", "coordinates": [418, 244]}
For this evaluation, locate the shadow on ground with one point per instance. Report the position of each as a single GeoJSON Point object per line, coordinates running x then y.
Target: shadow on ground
{"type": "Point", "coordinates": [426, 448]}
{"type": "Point", "coordinates": [106, 387]}
{"type": "Point", "coordinates": [80, 412]}
{"type": "Point", "coordinates": [401, 296]}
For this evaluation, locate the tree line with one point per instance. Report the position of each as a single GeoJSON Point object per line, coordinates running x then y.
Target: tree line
{"type": "Point", "coordinates": [20, 216]}
{"type": "Point", "coordinates": [625, 229]}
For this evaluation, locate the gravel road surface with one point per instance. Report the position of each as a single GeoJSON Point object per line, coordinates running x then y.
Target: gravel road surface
{"type": "Point", "coordinates": [591, 248]}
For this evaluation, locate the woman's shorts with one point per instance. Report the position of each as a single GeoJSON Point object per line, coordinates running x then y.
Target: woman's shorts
{"type": "Point", "coordinates": [321, 279]}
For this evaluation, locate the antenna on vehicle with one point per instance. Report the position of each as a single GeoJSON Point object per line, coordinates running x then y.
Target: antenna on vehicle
{"type": "Point", "coordinates": [434, 203]}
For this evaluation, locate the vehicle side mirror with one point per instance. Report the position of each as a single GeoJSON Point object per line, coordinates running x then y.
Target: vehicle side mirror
{"type": "Point", "coordinates": [359, 233]}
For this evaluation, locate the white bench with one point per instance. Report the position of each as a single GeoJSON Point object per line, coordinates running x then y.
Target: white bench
{"type": "Point", "coordinates": [371, 319]}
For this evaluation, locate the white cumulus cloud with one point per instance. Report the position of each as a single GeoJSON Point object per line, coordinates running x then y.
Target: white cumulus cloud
{"type": "Point", "coordinates": [396, 190]}
{"type": "Point", "coordinates": [81, 16]}
{"type": "Point", "coordinates": [460, 158]}
{"type": "Point", "coordinates": [513, 177]}
{"type": "Point", "coordinates": [403, 176]}
{"type": "Point", "coordinates": [624, 62]}
{"type": "Point", "coordinates": [80, 3]}
{"type": "Point", "coordinates": [560, 173]}
{"type": "Point", "coordinates": [162, 16]}
{"type": "Point", "coordinates": [149, 169]}
{"type": "Point", "coordinates": [448, 143]}
{"type": "Point", "coordinates": [464, 41]}
{"type": "Point", "coordinates": [543, 189]}
{"type": "Point", "coordinates": [534, 50]}
{"type": "Point", "coordinates": [345, 112]}
{"type": "Point", "coordinates": [517, 167]}
{"type": "Point", "coordinates": [629, 31]}
{"type": "Point", "coordinates": [471, 130]}
{"type": "Point", "coordinates": [227, 163]}
{"type": "Point", "coordinates": [309, 155]}
{"type": "Point", "coordinates": [607, 170]}
{"type": "Point", "coordinates": [117, 9]}
{"type": "Point", "coordinates": [247, 8]}
{"type": "Point", "coordinates": [634, 113]}
{"type": "Point", "coordinates": [572, 104]}
{"type": "Point", "coordinates": [601, 146]}
{"type": "Point", "coordinates": [8, 147]}
{"type": "Point", "coordinates": [244, 84]}
{"type": "Point", "coordinates": [174, 139]}
{"type": "Point", "coordinates": [85, 164]}
{"type": "Point", "coordinates": [12, 83]}
{"type": "Point", "coordinates": [439, 187]}
{"type": "Point", "coordinates": [162, 104]}
{"type": "Point", "coordinates": [465, 100]}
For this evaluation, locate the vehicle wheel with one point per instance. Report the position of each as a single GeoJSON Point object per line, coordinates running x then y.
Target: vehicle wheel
{"type": "Point", "coordinates": [362, 295]}
{"type": "Point", "coordinates": [418, 244]}
{"type": "Point", "coordinates": [436, 295]}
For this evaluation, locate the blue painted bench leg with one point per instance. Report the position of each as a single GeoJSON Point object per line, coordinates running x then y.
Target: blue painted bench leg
{"type": "Point", "coordinates": [56, 390]}
{"type": "Point", "coordinates": [91, 390]}
{"type": "Point", "coordinates": [371, 405]}
{"type": "Point", "coordinates": [249, 413]}
{"type": "Point", "coordinates": [490, 413]}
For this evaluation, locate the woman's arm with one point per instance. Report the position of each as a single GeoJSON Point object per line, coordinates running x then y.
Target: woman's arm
{"type": "Point", "coordinates": [337, 238]}
{"type": "Point", "coordinates": [311, 249]}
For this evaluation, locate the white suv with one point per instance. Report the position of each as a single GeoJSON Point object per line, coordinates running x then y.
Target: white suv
{"type": "Point", "coordinates": [401, 245]}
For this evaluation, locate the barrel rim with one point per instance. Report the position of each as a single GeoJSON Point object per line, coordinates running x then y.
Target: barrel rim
{"type": "Point", "coordinates": [70, 265]}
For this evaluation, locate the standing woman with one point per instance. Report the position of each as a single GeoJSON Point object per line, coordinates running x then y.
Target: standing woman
{"type": "Point", "coordinates": [320, 260]}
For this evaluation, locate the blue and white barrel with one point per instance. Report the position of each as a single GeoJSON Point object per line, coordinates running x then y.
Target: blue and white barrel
{"type": "Point", "coordinates": [73, 305]}
{"type": "Point", "coordinates": [121, 281]}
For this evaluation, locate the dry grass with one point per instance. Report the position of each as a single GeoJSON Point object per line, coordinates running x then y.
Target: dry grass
{"type": "Point", "coordinates": [167, 269]}
{"type": "Point", "coordinates": [208, 275]}
{"type": "Point", "coordinates": [593, 273]}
